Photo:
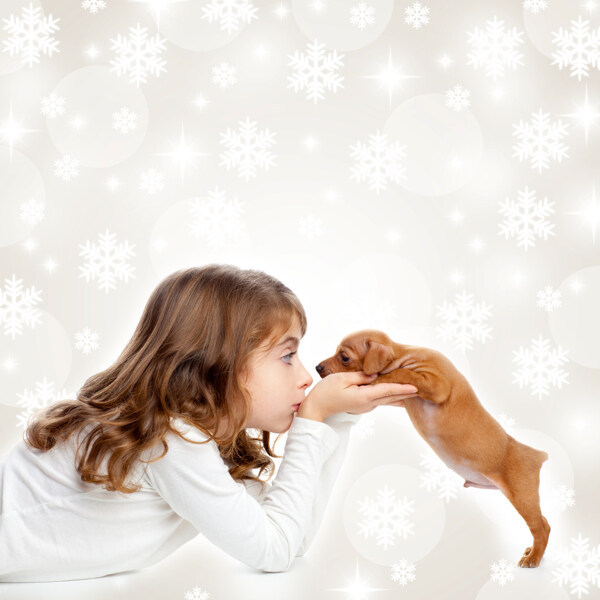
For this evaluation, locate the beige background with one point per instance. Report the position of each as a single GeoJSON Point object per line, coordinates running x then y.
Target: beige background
{"type": "Point", "coordinates": [357, 257]}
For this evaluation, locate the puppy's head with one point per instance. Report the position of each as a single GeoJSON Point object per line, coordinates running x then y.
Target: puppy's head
{"type": "Point", "coordinates": [368, 350]}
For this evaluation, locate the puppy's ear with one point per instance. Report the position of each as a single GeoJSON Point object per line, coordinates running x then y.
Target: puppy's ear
{"type": "Point", "coordinates": [377, 357]}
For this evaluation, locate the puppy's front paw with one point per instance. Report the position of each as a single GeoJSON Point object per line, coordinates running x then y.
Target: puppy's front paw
{"type": "Point", "coordinates": [528, 560]}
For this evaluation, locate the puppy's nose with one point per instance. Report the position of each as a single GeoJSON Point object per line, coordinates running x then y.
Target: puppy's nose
{"type": "Point", "coordinates": [319, 368]}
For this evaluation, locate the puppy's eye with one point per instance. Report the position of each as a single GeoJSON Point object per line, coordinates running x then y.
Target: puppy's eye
{"type": "Point", "coordinates": [344, 358]}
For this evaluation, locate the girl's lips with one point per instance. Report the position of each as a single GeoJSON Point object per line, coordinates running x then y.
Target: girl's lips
{"type": "Point", "coordinates": [296, 406]}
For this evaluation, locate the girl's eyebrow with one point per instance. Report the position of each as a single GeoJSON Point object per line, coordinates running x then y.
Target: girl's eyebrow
{"type": "Point", "coordinates": [289, 340]}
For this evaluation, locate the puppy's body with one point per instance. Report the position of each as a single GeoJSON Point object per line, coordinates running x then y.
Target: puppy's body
{"type": "Point", "coordinates": [452, 420]}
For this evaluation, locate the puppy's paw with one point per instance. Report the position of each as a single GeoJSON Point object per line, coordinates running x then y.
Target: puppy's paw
{"type": "Point", "coordinates": [528, 560]}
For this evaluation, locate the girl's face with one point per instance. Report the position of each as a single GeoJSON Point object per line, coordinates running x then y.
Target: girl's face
{"type": "Point", "coordinates": [277, 381]}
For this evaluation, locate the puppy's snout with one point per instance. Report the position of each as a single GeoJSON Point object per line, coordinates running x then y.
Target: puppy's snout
{"type": "Point", "coordinates": [319, 368]}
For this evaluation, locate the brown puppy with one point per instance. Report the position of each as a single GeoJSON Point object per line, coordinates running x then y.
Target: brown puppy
{"type": "Point", "coordinates": [448, 415]}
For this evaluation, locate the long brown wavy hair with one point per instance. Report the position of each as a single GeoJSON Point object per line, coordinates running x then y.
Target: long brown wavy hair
{"type": "Point", "coordinates": [186, 360]}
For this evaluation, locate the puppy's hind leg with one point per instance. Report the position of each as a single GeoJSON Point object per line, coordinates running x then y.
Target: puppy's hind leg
{"type": "Point", "coordinates": [520, 483]}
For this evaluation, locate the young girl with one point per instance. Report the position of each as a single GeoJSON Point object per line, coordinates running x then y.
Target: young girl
{"type": "Point", "coordinates": [155, 449]}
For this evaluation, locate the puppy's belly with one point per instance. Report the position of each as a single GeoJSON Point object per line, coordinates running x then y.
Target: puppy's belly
{"type": "Point", "coordinates": [460, 466]}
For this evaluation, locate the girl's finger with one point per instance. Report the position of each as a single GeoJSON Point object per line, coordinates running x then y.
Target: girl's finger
{"type": "Point", "coordinates": [382, 390]}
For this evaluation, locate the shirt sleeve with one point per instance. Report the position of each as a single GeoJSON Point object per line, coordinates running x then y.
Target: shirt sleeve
{"type": "Point", "coordinates": [267, 534]}
{"type": "Point", "coordinates": [342, 424]}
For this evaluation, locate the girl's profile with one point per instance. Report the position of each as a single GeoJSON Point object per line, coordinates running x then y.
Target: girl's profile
{"type": "Point", "coordinates": [173, 439]}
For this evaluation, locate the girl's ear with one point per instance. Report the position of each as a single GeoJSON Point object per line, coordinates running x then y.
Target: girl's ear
{"type": "Point", "coordinates": [377, 357]}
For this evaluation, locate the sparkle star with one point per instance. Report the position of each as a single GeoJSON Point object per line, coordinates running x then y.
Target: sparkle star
{"type": "Point", "coordinates": [585, 115]}
{"type": "Point", "coordinates": [11, 131]}
{"type": "Point", "coordinates": [182, 154]}
{"type": "Point", "coordinates": [590, 214]}
{"type": "Point", "coordinates": [157, 6]}
{"type": "Point", "coordinates": [357, 589]}
{"type": "Point", "coordinates": [390, 76]}
{"type": "Point", "coordinates": [92, 52]}
{"type": "Point", "coordinates": [281, 11]}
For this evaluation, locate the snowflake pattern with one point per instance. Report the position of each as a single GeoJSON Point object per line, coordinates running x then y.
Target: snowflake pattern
{"type": "Point", "coordinates": [578, 48]}
{"type": "Point", "coordinates": [502, 572]}
{"type": "Point", "coordinates": [548, 298]}
{"type": "Point", "coordinates": [310, 226]}
{"type": "Point", "coordinates": [563, 497]}
{"type": "Point", "coordinates": [93, 5]}
{"type": "Point", "coordinates": [362, 15]}
{"type": "Point", "coordinates": [53, 105]}
{"type": "Point", "coordinates": [403, 571]}
{"type": "Point", "coordinates": [378, 161]}
{"type": "Point", "coordinates": [31, 34]}
{"type": "Point", "coordinates": [540, 140]}
{"type": "Point", "coordinates": [315, 71]}
{"type": "Point", "coordinates": [247, 149]}
{"type": "Point", "coordinates": [66, 167]}
{"type": "Point", "coordinates": [17, 307]}
{"type": "Point", "coordinates": [457, 98]}
{"type": "Point", "coordinates": [417, 15]}
{"type": "Point", "coordinates": [86, 340]}
{"type": "Point", "coordinates": [224, 74]}
{"type": "Point", "coordinates": [540, 366]}
{"type": "Point", "coordinates": [495, 48]}
{"type": "Point", "coordinates": [534, 6]}
{"type": "Point", "coordinates": [107, 261]}
{"type": "Point", "coordinates": [197, 594]}
{"type": "Point", "coordinates": [124, 120]}
{"type": "Point", "coordinates": [229, 13]}
{"type": "Point", "coordinates": [439, 477]}
{"type": "Point", "coordinates": [463, 322]}
{"type": "Point", "coordinates": [385, 517]}
{"type": "Point", "coordinates": [32, 211]}
{"type": "Point", "coordinates": [138, 55]}
{"type": "Point", "coordinates": [216, 218]}
{"type": "Point", "coordinates": [580, 566]}
{"type": "Point", "coordinates": [525, 218]}
{"type": "Point", "coordinates": [32, 402]}
{"type": "Point", "coordinates": [152, 181]}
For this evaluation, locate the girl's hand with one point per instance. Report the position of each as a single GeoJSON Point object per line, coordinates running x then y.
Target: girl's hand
{"type": "Point", "coordinates": [351, 392]}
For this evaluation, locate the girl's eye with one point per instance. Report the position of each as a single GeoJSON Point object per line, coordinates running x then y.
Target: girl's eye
{"type": "Point", "coordinates": [288, 356]}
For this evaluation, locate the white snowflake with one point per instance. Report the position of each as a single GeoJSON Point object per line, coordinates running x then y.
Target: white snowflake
{"type": "Point", "coordinates": [362, 15]}
{"type": "Point", "coordinates": [124, 120]}
{"type": "Point", "coordinates": [439, 477]}
{"type": "Point", "coordinates": [540, 140]}
{"type": "Point", "coordinates": [378, 161]}
{"type": "Point", "coordinates": [247, 149]}
{"type": "Point", "coordinates": [464, 322]}
{"type": "Point", "coordinates": [502, 572]}
{"type": "Point", "coordinates": [310, 226]}
{"type": "Point", "coordinates": [229, 13]}
{"type": "Point", "coordinates": [563, 497]}
{"type": "Point", "coordinates": [31, 34]}
{"type": "Point", "coordinates": [525, 218]}
{"type": "Point", "coordinates": [66, 167]}
{"type": "Point", "coordinates": [315, 71]}
{"type": "Point", "coordinates": [197, 594]}
{"type": "Point", "coordinates": [32, 211]}
{"type": "Point", "coordinates": [540, 366]}
{"type": "Point", "coordinates": [224, 74]}
{"type": "Point", "coordinates": [138, 55]}
{"type": "Point", "coordinates": [578, 48]}
{"type": "Point", "coordinates": [494, 48]}
{"type": "Point", "coordinates": [86, 340]}
{"type": "Point", "coordinates": [365, 428]}
{"type": "Point", "coordinates": [417, 15]}
{"type": "Point", "coordinates": [152, 181]}
{"type": "Point", "coordinates": [17, 306]}
{"type": "Point", "coordinates": [53, 105]}
{"type": "Point", "coordinates": [457, 98]}
{"type": "Point", "coordinates": [216, 218]}
{"type": "Point", "coordinates": [93, 5]}
{"type": "Point", "coordinates": [548, 298]}
{"type": "Point", "coordinates": [32, 402]}
{"type": "Point", "coordinates": [505, 421]}
{"type": "Point", "coordinates": [385, 517]}
{"type": "Point", "coordinates": [535, 6]}
{"type": "Point", "coordinates": [403, 571]}
{"type": "Point", "coordinates": [107, 261]}
{"type": "Point", "coordinates": [580, 566]}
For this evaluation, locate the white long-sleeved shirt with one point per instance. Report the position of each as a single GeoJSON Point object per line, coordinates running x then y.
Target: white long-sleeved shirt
{"type": "Point", "coordinates": [55, 527]}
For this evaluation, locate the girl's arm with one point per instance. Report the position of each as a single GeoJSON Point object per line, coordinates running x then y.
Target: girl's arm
{"type": "Point", "coordinates": [267, 535]}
